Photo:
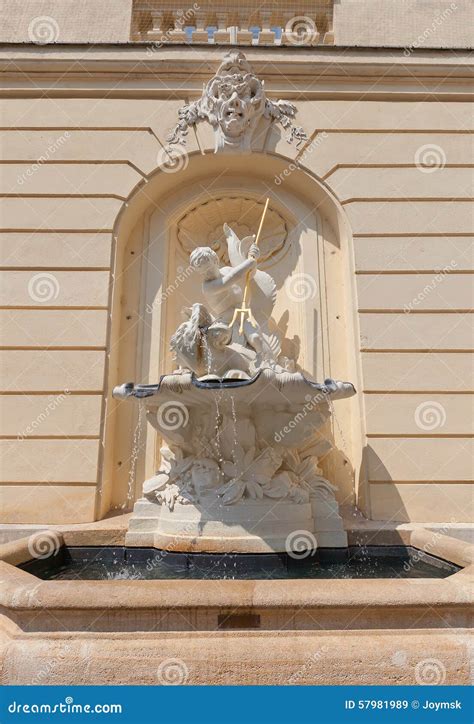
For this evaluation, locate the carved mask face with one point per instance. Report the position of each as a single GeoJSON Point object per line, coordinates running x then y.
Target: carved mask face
{"type": "Point", "coordinates": [233, 102]}
{"type": "Point", "coordinates": [234, 115]}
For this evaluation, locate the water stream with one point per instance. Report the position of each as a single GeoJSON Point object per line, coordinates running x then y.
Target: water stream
{"type": "Point", "coordinates": [218, 430]}
{"type": "Point", "coordinates": [207, 352]}
{"type": "Point", "coordinates": [339, 428]}
{"type": "Point", "coordinates": [234, 426]}
{"type": "Point", "coordinates": [136, 446]}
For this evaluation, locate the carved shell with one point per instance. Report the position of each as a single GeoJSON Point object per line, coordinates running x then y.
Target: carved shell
{"type": "Point", "coordinates": [203, 226]}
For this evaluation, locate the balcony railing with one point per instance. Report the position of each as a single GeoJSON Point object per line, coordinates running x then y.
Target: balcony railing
{"type": "Point", "coordinates": [271, 22]}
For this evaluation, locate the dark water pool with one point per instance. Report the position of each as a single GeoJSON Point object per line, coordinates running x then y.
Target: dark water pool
{"type": "Point", "coordinates": [116, 563]}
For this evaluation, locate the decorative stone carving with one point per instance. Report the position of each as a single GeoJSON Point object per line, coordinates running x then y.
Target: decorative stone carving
{"type": "Point", "coordinates": [203, 225]}
{"type": "Point", "coordinates": [233, 102]}
{"type": "Point", "coordinates": [235, 445]}
{"type": "Point", "coordinates": [242, 427]}
{"type": "Point", "coordinates": [207, 341]}
{"type": "Point", "coordinates": [241, 441]}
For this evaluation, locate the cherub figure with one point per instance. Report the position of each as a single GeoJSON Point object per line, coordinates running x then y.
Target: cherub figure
{"type": "Point", "coordinates": [207, 330]}
{"type": "Point", "coordinates": [220, 285]}
{"type": "Point", "coordinates": [223, 289]}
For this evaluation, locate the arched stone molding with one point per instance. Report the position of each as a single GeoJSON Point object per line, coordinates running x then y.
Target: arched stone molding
{"type": "Point", "coordinates": [145, 304]}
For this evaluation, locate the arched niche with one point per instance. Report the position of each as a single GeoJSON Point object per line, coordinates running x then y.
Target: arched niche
{"type": "Point", "coordinates": [313, 268]}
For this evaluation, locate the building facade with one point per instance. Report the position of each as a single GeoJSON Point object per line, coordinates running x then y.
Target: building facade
{"type": "Point", "coordinates": [95, 218]}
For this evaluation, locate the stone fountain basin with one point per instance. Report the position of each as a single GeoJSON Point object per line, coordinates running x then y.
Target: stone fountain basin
{"type": "Point", "coordinates": [284, 388]}
{"type": "Point", "coordinates": [276, 401]}
{"type": "Point", "coordinates": [277, 409]}
{"type": "Point", "coordinates": [236, 632]}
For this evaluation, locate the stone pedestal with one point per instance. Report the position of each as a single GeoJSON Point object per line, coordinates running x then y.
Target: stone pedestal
{"type": "Point", "coordinates": [259, 526]}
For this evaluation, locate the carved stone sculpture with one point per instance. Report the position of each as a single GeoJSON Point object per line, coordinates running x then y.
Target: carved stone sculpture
{"type": "Point", "coordinates": [206, 342]}
{"type": "Point", "coordinates": [202, 225]}
{"type": "Point", "coordinates": [242, 427]}
{"type": "Point", "coordinates": [233, 102]}
{"type": "Point", "coordinates": [241, 443]}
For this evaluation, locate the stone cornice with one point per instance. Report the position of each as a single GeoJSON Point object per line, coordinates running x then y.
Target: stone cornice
{"type": "Point", "coordinates": [141, 70]}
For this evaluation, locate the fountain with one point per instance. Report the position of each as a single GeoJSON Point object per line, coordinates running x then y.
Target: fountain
{"type": "Point", "coordinates": [243, 491]}
{"type": "Point", "coordinates": [241, 425]}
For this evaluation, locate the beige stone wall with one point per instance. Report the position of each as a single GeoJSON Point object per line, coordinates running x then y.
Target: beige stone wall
{"type": "Point", "coordinates": [412, 236]}
{"type": "Point", "coordinates": [70, 163]}
{"type": "Point", "coordinates": [65, 21]}
{"type": "Point", "coordinates": [363, 23]}
{"type": "Point", "coordinates": [404, 23]}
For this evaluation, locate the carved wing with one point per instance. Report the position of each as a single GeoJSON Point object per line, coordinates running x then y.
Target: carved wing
{"type": "Point", "coordinates": [262, 296]}
{"type": "Point", "coordinates": [272, 336]}
{"type": "Point", "coordinates": [237, 249]}
{"type": "Point", "coordinates": [262, 286]}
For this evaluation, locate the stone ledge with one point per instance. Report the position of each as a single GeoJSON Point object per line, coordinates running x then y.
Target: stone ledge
{"type": "Point", "coordinates": [30, 601]}
{"type": "Point", "coordinates": [233, 657]}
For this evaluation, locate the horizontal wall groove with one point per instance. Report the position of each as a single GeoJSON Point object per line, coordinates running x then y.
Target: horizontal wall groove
{"type": "Point", "coordinates": [85, 129]}
{"type": "Point", "coordinates": [63, 196]}
{"type": "Point", "coordinates": [390, 131]}
{"type": "Point", "coordinates": [381, 166]}
{"type": "Point", "coordinates": [50, 230]}
{"type": "Point", "coordinates": [413, 436]}
{"type": "Point", "coordinates": [178, 87]}
{"type": "Point", "coordinates": [146, 129]}
{"type": "Point", "coordinates": [58, 231]}
{"type": "Point", "coordinates": [394, 481]}
{"type": "Point", "coordinates": [418, 482]}
{"type": "Point", "coordinates": [55, 268]}
{"type": "Point", "coordinates": [43, 483]}
{"type": "Point", "coordinates": [53, 348]}
{"type": "Point", "coordinates": [418, 392]}
{"type": "Point", "coordinates": [127, 162]}
{"type": "Point", "coordinates": [54, 309]}
{"type": "Point", "coordinates": [406, 272]}
{"type": "Point", "coordinates": [390, 436]}
{"type": "Point", "coordinates": [65, 391]}
{"type": "Point", "coordinates": [75, 162]}
{"type": "Point", "coordinates": [414, 235]}
{"type": "Point", "coordinates": [413, 350]}
{"type": "Point", "coordinates": [49, 437]}
{"type": "Point", "coordinates": [415, 311]}
{"type": "Point", "coordinates": [405, 199]}
{"type": "Point", "coordinates": [67, 162]}
{"type": "Point", "coordinates": [341, 166]}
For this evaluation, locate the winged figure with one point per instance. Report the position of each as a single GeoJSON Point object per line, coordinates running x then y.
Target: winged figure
{"type": "Point", "coordinates": [208, 332]}
{"type": "Point", "coordinates": [262, 285]}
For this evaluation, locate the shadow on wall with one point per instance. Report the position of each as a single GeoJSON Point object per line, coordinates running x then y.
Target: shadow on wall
{"type": "Point", "coordinates": [379, 483]}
